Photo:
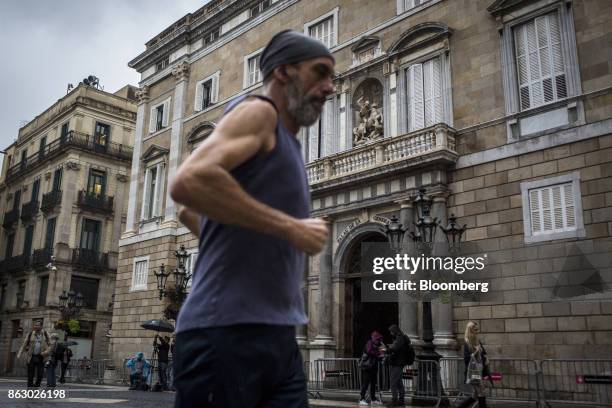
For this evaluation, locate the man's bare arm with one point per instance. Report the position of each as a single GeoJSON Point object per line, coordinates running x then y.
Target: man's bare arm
{"type": "Point", "coordinates": [190, 219]}
{"type": "Point", "coordinates": [204, 184]}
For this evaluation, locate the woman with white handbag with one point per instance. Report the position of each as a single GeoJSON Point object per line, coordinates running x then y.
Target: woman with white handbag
{"type": "Point", "coordinates": [475, 359]}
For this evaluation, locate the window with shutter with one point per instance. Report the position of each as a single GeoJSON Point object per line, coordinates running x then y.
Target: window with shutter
{"type": "Point", "coordinates": [140, 274]}
{"type": "Point", "coordinates": [540, 61]}
{"type": "Point", "coordinates": [424, 83]}
{"type": "Point", "coordinates": [416, 119]}
{"type": "Point", "coordinates": [552, 209]}
{"type": "Point", "coordinates": [146, 196]}
{"type": "Point", "coordinates": [159, 187]}
{"type": "Point", "coordinates": [166, 113]}
{"type": "Point", "coordinates": [329, 143]}
{"type": "Point", "coordinates": [323, 31]}
{"type": "Point", "coordinates": [313, 141]}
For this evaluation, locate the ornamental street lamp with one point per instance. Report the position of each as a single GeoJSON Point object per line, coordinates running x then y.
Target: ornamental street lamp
{"type": "Point", "coordinates": [176, 292]}
{"type": "Point", "coordinates": [424, 236]}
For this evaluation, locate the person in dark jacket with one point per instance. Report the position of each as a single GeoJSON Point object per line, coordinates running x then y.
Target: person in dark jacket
{"type": "Point", "coordinates": [64, 361]}
{"type": "Point", "coordinates": [375, 350]}
{"type": "Point", "coordinates": [473, 348]}
{"type": "Point", "coordinates": [398, 353]}
{"type": "Point", "coordinates": [163, 347]}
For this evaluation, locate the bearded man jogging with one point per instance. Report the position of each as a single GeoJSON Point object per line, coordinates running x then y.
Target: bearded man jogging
{"type": "Point", "coordinates": [245, 194]}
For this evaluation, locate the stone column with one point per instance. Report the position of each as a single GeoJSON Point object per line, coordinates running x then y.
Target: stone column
{"type": "Point", "coordinates": [181, 74]}
{"type": "Point", "coordinates": [407, 305]}
{"type": "Point", "coordinates": [131, 226]}
{"type": "Point", "coordinates": [444, 337]}
{"type": "Point", "coordinates": [323, 345]}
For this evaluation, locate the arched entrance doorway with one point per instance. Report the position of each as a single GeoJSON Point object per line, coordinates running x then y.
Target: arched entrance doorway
{"type": "Point", "coordinates": [361, 318]}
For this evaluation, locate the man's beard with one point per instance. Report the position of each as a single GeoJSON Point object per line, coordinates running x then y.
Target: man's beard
{"type": "Point", "coordinates": [301, 108]}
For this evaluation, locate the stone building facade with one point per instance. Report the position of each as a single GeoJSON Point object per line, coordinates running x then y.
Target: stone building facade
{"type": "Point", "coordinates": [501, 110]}
{"type": "Point", "coordinates": [63, 192]}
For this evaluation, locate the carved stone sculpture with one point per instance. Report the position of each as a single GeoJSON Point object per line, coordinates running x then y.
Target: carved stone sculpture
{"type": "Point", "coordinates": [370, 125]}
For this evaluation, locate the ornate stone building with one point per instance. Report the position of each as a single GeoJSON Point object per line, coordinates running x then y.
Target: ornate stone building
{"type": "Point", "coordinates": [500, 109]}
{"type": "Point", "coordinates": [63, 192]}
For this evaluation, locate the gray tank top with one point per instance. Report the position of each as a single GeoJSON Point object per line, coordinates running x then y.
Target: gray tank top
{"type": "Point", "coordinates": [242, 276]}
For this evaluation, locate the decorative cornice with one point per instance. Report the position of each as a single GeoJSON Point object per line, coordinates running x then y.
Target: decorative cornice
{"type": "Point", "coordinates": [71, 165]}
{"type": "Point", "coordinates": [412, 38]}
{"type": "Point", "coordinates": [93, 103]}
{"type": "Point", "coordinates": [153, 152]}
{"type": "Point", "coordinates": [181, 72]}
{"type": "Point", "coordinates": [201, 131]}
{"type": "Point", "coordinates": [142, 94]}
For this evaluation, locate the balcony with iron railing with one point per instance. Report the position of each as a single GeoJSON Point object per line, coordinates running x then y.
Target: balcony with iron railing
{"type": "Point", "coordinates": [95, 202]}
{"type": "Point", "coordinates": [16, 263]}
{"type": "Point", "coordinates": [431, 145]}
{"type": "Point", "coordinates": [90, 260]}
{"type": "Point", "coordinates": [10, 218]}
{"type": "Point", "coordinates": [74, 140]}
{"type": "Point", "coordinates": [29, 210]}
{"type": "Point", "coordinates": [41, 258]}
{"type": "Point", "coordinates": [50, 200]}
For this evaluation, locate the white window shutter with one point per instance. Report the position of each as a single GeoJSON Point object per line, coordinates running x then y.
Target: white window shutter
{"type": "Point", "coordinates": [214, 93]}
{"type": "Point", "coordinates": [535, 210]}
{"type": "Point", "coordinates": [302, 137]}
{"type": "Point", "coordinates": [432, 92]}
{"type": "Point", "coordinates": [198, 96]}
{"type": "Point", "coordinates": [146, 195]}
{"type": "Point", "coordinates": [557, 57]}
{"type": "Point", "coordinates": [327, 124]}
{"type": "Point", "coordinates": [166, 113]}
{"type": "Point", "coordinates": [152, 120]}
{"type": "Point", "coordinates": [161, 173]}
{"type": "Point", "coordinates": [569, 206]}
{"type": "Point", "coordinates": [313, 141]}
{"type": "Point", "coordinates": [342, 122]}
{"type": "Point", "coordinates": [416, 118]}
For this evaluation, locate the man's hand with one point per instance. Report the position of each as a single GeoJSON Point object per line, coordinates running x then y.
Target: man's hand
{"type": "Point", "coordinates": [310, 235]}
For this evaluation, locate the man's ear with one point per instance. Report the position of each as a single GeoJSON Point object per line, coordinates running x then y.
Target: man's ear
{"type": "Point", "coordinates": [281, 73]}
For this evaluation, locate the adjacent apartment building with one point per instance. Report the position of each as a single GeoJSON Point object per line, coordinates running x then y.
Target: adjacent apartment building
{"type": "Point", "coordinates": [63, 193]}
{"type": "Point", "coordinates": [500, 109]}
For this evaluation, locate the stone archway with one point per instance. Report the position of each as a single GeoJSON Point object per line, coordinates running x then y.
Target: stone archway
{"type": "Point", "coordinates": [359, 318]}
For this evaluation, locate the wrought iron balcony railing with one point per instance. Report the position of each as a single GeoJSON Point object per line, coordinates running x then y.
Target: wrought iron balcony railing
{"type": "Point", "coordinates": [29, 210]}
{"type": "Point", "coordinates": [16, 263]}
{"type": "Point", "coordinates": [382, 152]}
{"type": "Point", "coordinates": [95, 202]}
{"type": "Point", "coordinates": [41, 258]}
{"type": "Point", "coordinates": [75, 140]}
{"type": "Point", "coordinates": [10, 218]}
{"type": "Point", "coordinates": [89, 259]}
{"type": "Point", "coordinates": [51, 200]}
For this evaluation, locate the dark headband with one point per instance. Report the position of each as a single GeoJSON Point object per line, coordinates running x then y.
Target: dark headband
{"type": "Point", "coordinates": [290, 47]}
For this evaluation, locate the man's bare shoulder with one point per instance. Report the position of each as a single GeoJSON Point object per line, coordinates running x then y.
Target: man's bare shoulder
{"type": "Point", "coordinates": [252, 114]}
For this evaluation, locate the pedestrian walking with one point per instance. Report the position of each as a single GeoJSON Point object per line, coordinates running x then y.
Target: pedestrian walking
{"type": "Point", "coordinates": [373, 352]}
{"type": "Point", "coordinates": [476, 364]}
{"type": "Point", "coordinates": [163, 347]}
{"type": "Point", "coordinates": [245, 194]}
{"type": "Point", "coordinates": [400, 354]}
{"type": "Point", "coordinates": [64, 362]}
{"type": "Point", "coordinates": [33, 351]}
{"type": "Point", "coordinates": [50, 365]}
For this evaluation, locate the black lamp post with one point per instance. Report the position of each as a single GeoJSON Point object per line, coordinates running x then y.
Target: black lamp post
{"type": "Point", "coordinates": [424, 236]}
{"type": "Point", "coordinates": [177, 295]}
{"type": "Point", "coordinates": [162, 276]}
{"type": "Point", "coordinates": [69, 306]}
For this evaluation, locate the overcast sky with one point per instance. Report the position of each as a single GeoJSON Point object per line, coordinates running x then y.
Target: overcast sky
{"type": "Point", "coordinates": [46, 44]}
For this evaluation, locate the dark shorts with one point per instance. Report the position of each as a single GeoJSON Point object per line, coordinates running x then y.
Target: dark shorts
{"type": "Point", "coordinates": [240, 366]}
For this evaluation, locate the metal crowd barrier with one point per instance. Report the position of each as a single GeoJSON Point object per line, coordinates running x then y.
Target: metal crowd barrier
{"type": "Point", "coordinates": [512, 379]}
{"type": "Point", "coordinates": [343, 375]}
{"type": "Point", "coordinates": [576, 382]}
